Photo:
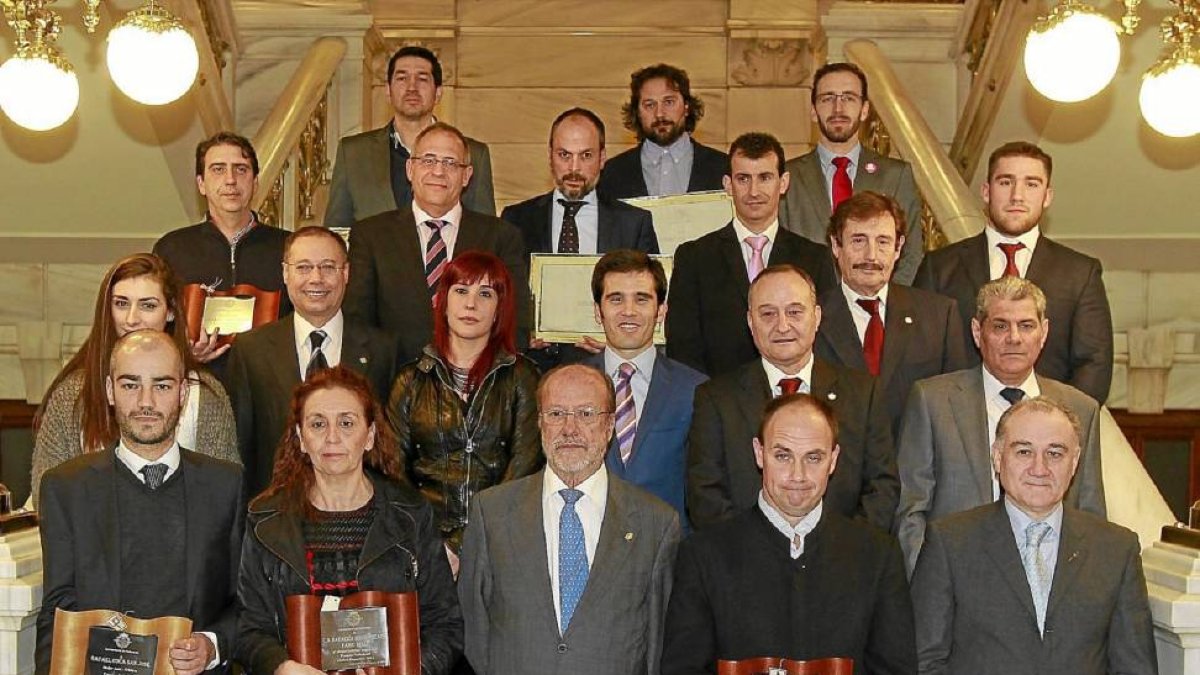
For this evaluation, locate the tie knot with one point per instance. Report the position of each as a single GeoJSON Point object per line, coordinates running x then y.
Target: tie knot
{"type": "Point", "coordinates": [570, 496]}
{"type": "Point", "coordinates": [757, 242]}
{"type": "Point", "coordinates": [790, 385]}
{"type": "Point", "coordinates": [1035, 532]}
{"type": "Point", "coordinates": [154, 474]}
{"type": "Point", "coordinates": [1012, 394]}
{"type": "Point", "coordinates": [316, 339]}
{"type": "Point", "coordinates": [1010, 249]}
{"type": "Point", "coordinates": [436, 225]}
{"type": "Point", "coordinates": [869, 304]}
{"type": "Point", "coordinates": [627, 370]}
{"type": "Point", "coordinates": [572, 206]}
{"type": "Point", "coordinates": [841, 162]}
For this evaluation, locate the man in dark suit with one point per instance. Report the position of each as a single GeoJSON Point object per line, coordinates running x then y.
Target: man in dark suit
{"type": "Point", "coordinates": [667, 160]}
{"type": "Point", "coordinates": [146, 528]}
{"type": "Point", "coordinates": [398, 256]}
{"type": "Point", "coordinates": [722, 476]}
{"type": "Point", "coordinates": [788, 578]}
{"type": "Point", "coordinates": [1079, 349]}
{"type": "Point", "coordinates": [268, 362]}
{"type": "Point", "coordinates": [950, 420]}
{"type": "Point", "coordinates": [1028, 584]}
{"type": "Point", "coordinates": [369, 175]}
{"type": "Point", "coordinates": [896, 333]}
{"type": "Point", "coordinates": [569, 570]}
{"type": "Point", "coordinates": [712, 274]}
{"type": "Point", "coordinates": [654, 393]}
{"type": "Point", "coordinates": [840, 166]}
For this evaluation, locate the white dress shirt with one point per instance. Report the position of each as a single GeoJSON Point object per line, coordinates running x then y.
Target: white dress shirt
{"type": "Point", "coordinates": [590, 508]}
{"type": "Point", "coordinates": [797, 534]}
{"type": "Point", "coordinates": [741, 231]}
{"type": "Point", "coordinates": [996, 405]}
{"type": "Point", "coordinates": [640, 382]}
{"type": "Point", "coordinates": [332, 347]}
{"type": "Point", "coordinates": [861, 316]}
{"type": "Point", "coordinates": [996, 258]}
{"type": "Point", "coordinates": [1019, 520]}
{"type": "Point", "coordinates": [828, 169]}
{"type": "Point", "coordinates": [774, 375]}
{"type": "Point", "coordinates": [587, 221]}
{"type": "Point", "coordinates": [449, 232]}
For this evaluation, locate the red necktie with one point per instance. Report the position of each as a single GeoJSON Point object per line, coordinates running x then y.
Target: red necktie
{"type": "Point", "coordinates": [842, 187]}
{"type": "Point", "coordinates": [873, 337]}
{"type": "Point", "coordinates": [1010, 256]}
{"type": "Point", "coordinates": [790, 385]}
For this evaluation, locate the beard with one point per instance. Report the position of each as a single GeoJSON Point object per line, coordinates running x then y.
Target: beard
{"type": "Point", "coordinates": [663, 131]}
{"type": "Point", "coordinates": [152, 435]}
{"type": "Point", "coordinates": [835, 136]}
{"type": "Point", "coordinates": [572, 192]}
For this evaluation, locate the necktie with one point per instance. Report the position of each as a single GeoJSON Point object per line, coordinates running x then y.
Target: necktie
{"type": "Point", "coordinates": [1012, 394]}
{"type": "Point", "coordinates": [757, 244]}
{"type": "Point", "coordinates": [873, 337]}
{"type": "Point", "coordinates": [572, 558]}
{"type": "Point", "coordinates": [316, 362]}
{"type": "Point", "coordinates": [626, 411]}
{"type": "Point", "coordinates": [1010, 257]}
{"type": "Point", "coordinates": [154, 475]}
{"type": "Point", "coordinates": [568, 239]}
{"type": "Point", "coordinates": [1036, 570]}
{"type": "Point", "coordinates": [842, 187]}
{"type": "Point", "coordinates": [790, 385]}
{"type": "Point", "coordinates": [435, 255]}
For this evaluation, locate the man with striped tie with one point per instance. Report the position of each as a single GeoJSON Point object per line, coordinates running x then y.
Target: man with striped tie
{"type": "Point", "coordinates": [398, 256]}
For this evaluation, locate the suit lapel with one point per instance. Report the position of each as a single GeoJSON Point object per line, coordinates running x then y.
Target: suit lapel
{"type": "Point", "coordinates": [898, 328]}
{"type": "Point", "coordinates": [838, 326]}
{"type": "Point", "coordinates": [1041, 263]}
{"type": "Point", "coordinates": [618, 536]}
{"type": "Point", "coordinates": [544, 212]}
{"type": "Point", "coordinates": [356, 351]}
{"type": "Point", "coordinates": [813, 182]}
{"type": "Point", "coordinates": [102, 492]}
{"type": "Point", "coordinates": [282, 341]}
{"type": "Point", "coordinates": [654, 405]}
{"type": "Point", "coordinates": [1001, 547]}
{"type": "Point", "coordinates": [867, 180]}
{"type": "Point", "coordinates": [377, 170]}
{"type": "Point", "coordinates": [824, 383]}
{"type": "Point", "coordinates": [194, 490]}
{"type": "Point", "coordinates": [527, 534]}
{"type": "Point", "coordinates": [606, 236]}
{"type": "Point", "coordinates": [756, 392]}
{"type": "Point", "coordinates": [735, 265]}
{"type": "Point", "coordinates": [972, 423]}
{"type": "Point", "coordinates": [1072, 559]}
{"type": "Point", "coordinates": [974, 259]}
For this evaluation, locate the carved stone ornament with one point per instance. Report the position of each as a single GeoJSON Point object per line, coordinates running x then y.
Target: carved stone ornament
{"type": "Point", "coordinates": [770, 62]}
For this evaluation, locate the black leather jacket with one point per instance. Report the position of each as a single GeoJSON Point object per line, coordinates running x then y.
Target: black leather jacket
{"type": "Point", "coordinates": [433, 425]}
{"type": "Point", "coordinates": [402, 552]}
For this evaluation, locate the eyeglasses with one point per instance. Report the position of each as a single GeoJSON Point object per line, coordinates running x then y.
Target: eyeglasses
{"type": "Point", "coordinates": [587, 417]}
{"type": "Point", "coordinates": [304, 269]}
{"type": "Point", "coordinates": [847, 97]}
{"type": "Point", "coordinates": [448, 163]}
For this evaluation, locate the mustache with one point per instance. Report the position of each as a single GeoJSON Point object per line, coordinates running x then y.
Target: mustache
{"type": "Point", "coordinates": [874, 267]}
{"type": "Point", "coordinates": [575, 176]}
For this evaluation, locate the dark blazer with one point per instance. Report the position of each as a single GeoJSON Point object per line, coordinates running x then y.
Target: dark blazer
{"type": "Point", "coordinates": [81, 544]}
{"type": "Point", "coordinates": [659, 460]}
{"type": "Point", "coordinates": [739, 594]}
{"type": "Point", "coordinates": [975, 612]}
{"type": "Point", "coordinates": [922, 337]}
{"type": "Point", "coordinates": [706, 323]}
{"type": "Point", "coordinates": [387, 274]}
{"type": "Point", "coordinates": [806, 206]}
{"type": "Point", "coordinates": [620, 225]}
{"type": "Point", "coordinates": [1079, 349]}
{"type": "Point", "coordinates": [723, 477]}
{"type": "Point", "coordinates": [622, 176]}
{"type": "Point", "coordinates": [264, 369]}
{"type": "Point", "coordinates": [508, 605]}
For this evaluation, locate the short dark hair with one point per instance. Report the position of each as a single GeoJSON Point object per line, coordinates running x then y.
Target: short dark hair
{"type": "Point", "coordinates": [544, 384]}
{"type": "Point", "coordinates": [579, 112]}
{"type": "Point", "coordinates": [784, 268]}
{"type": "Point", "coordinates": [862, 206]}
{"type": "Point", "coordinates": [421, 53]}
{"type": "Point", "coordinates": [628, 260]}
{"type": "Point", "coordinates": [449, 129]}
{"type": "Point", "coordinates": [756, 145]}
{"type": "Point", "coordinates": [678, 79]}
{"type": "Point", "coordinates": [800, 401]}
{"type": "Point", "coordinates": [839, 67]}
{"type": "Point", "coordinates": [1020, 149]}
{"type": "Point", "coordinates": [226, 138]}
{"type": "Point", "coordinates": [314, 231]}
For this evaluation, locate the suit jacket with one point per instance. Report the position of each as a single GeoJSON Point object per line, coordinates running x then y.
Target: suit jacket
{"type": "Point", "coordinates": [387, 285]}
{"type": "Point", "coordinates": [975, 612]}
{"type": "Point", "coordinates": [723, 477]}
{"type": "Point", "coordinates": [264, 369]}
{"type": "Point", "coordinates": [620, 225]}
{"type": "Point", "coordinates": [922, 337]}
{"type": "Point", "coordinates": [945, 459]}
{"type": "Point", "coordinates": [622, 175]}
{"type": "Point", "coordinates": [1079, 349]}
{"type": "Point", "coordinates": [706, 323]}
{"type": "Point", "coordinates": [806, 206]}
{"type": "Point", "coordinates": [508, 605]}
{"type": "Point", "coordinates": [659, 460]}
{"type": "Point", "coordinates": [81, 543]}
{"type": "Point", "coordinates": [361, 186]}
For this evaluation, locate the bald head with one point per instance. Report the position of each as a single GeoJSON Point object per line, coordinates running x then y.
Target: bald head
{"type": "Point", "coordinates": [146, 388]}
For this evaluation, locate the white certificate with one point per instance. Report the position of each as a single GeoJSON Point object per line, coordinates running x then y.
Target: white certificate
{"type": "Point", "coordinates": [681, 218]}
{"type": "Point", "coordinates": [562, 297]}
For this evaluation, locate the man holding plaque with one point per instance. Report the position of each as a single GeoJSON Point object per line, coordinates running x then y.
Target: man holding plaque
{"type": "Point", "coordinates": [146, 528]}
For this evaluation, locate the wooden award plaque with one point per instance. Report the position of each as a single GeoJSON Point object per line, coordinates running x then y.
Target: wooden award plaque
{"type": "Point", "coordinates": [72, 632]}
{"type": "Point", "coordinates": [265, 308]}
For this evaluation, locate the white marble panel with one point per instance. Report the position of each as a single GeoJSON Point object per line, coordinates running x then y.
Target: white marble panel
{"type": "Point", "coordinates": [71, 292]}
{"type": "Point", "coordinates": [1174, 298]}
{"type": "Point", "coordinates": [23, 298]}
{"type": "Point", "coordinates": [1127, 298]}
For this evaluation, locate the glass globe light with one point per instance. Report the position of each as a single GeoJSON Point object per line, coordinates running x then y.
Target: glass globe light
{"type": "Point", "coordinates": [1073, 53]}
{"type": "Point", "coordinates": [38, 89]}
{"type": "Point", "coordinates": [1170, 97]}
{"type": "Point", "coordinates": [151, 57]}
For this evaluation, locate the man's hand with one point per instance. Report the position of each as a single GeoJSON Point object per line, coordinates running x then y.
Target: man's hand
{"type": "Point", "coordinates": [591, 345]}
{"type": "Point", "coordinates": [205, 348]}
{"type": "Point", "coordinates": [537, 343]}
{"type": "Point", "coordinates": [191, 654]}
{"type": "Point", "coordinates": [450, 555]}
{"type": "Point", "coordinates": [297, 668]}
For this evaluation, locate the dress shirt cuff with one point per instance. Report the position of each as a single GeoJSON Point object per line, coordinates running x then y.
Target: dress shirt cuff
{"type": "Point", "coordinates": [216, 660]}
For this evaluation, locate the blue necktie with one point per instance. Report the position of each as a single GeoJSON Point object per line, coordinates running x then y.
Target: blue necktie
{"type": "Point", "coordinates": [1036, 570]}
{"type": "Point", "coordinates": [572, 558]}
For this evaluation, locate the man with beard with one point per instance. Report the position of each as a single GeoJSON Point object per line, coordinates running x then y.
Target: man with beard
{"type": "Point", "coordinates": [667, 161]}
{"type": "Point", "coordinates": [841, 166]}
{"type": "Point", "coordinates": [145, 528]}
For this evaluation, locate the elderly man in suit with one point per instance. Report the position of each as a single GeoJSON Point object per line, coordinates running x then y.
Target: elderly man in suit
{"type": "Point", "coordinates": [1079, 348]}
{"type": "Point", "coordinates": [722, 476]}
{"type": "Point", "coordinates": [146, 528]}
{"type": "Point", "coordinates": [712, 274]}
{"type": "Point", "coordinates": [1028, 584]}
{"type": "Point", "coordinates": [950, 420]}
{"type": "Point", "coordinates": [667, 160]}
{"type": "Point", "coordinates": [369, 173]}
{"type": "Point", "coordinates": [268, 362]}
{"type": "Point", "coordinates": [569, 570]}
{"type": "Point", "coordinates": [840, 166]}
{"type": "Point", "coordinates": [398, 256]}
{"type": "Point", "coordinates": [896, 333]}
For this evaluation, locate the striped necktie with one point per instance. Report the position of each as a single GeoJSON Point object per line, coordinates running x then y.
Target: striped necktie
{"type": "Point", "coordinates": [435, 255]}
{"type": "Point", "coordinates": [626, 411]}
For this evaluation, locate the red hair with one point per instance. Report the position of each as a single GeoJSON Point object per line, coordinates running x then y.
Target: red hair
{"type": "Point", "coordinates": [469, 268]}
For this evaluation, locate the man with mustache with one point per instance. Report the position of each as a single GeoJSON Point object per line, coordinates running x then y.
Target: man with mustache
{"type": "Point", "coordinates": [667, 160]}
{"type": "Point", "coordinates": [896, 333]}
{"type": "Point", "coordinates": [146, 528]}
{"type": "Point", "coordinates": [840, 166]}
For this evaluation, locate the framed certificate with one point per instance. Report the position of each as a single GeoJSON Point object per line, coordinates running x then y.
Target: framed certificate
{"type": "Point", "coordinates": [562, 297]}
{"type": "Point", "coordinates": [681, 218]}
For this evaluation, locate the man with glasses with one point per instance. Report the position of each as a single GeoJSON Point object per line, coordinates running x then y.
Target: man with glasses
{"type": "Point", "coordinates": [840, 166]}
{"type": "Point", "coordinates": [398, 256]}
{"type": "Point", "coordinates": [268, 362]}
{"type": "Point", "coordinates": [594, 602]}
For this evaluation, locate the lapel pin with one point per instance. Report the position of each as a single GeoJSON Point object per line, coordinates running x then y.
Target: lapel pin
{"type": "Point", "coordinates": [832, 396]}
{"type": "Point", "coordinates": [363, 359]}
{"type": "Point", "coordinates": [628, 536]}
{"type": "Point", "coordinates": [908, 319]}
{"type": "Point", "coordinates": [871, 167]}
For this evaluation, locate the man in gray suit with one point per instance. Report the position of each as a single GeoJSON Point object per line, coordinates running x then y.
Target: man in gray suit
{"type": "Point", "coordinates": [950, 420]}
{"type": "Point", "coordinates": [840, 166]}
{"type": "Point", "coordinates": [369, 176]}
{"type": "Point", "coordinates": [569, 570]}
{"type": "Point", "coordinates": [1027, 584]}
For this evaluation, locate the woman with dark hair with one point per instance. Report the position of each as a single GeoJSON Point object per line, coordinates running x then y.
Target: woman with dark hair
{"type": "Point", "coordinates": [465, 412]}
{"type": "Point", "coordinates": [138, 292]}
{"type": "Point", "coordinates": [335, 520]}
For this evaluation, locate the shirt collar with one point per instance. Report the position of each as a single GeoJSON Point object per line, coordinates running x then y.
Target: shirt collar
{"type": "Point", "coordinates": [394, 136]}
{"type": "Point", "coordinates": [594, 487]}
{"type": "Point", "coordinates": [302, 328]}
{"type": "Point", "coordinates": [742, 231]}
{"type": "Point", "coordinates": [994, 236]}
{"type": "Point", "coordinates": [653, 152]}
{"type": "Point", "coordinates": [826, 155]}
{"type": "Point", "coordinates": [852, 295]}
{"type": "Point", "coordinates": [589, 199]}
{"type": "Point", "coordinates": [644, 361]}
{"type": "Point", "coordinates": [774, 375]}
{"type": "Point", "coordinates": [1019, 520]}
{"type": "Point", "coordinates": [135, 462]}
{"type": "Point", "coordinates": [802, 528]}
{"type": "Point", "coordinates": [992, 386]}
{"type": "Point", "coordinates": [453, 216]}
